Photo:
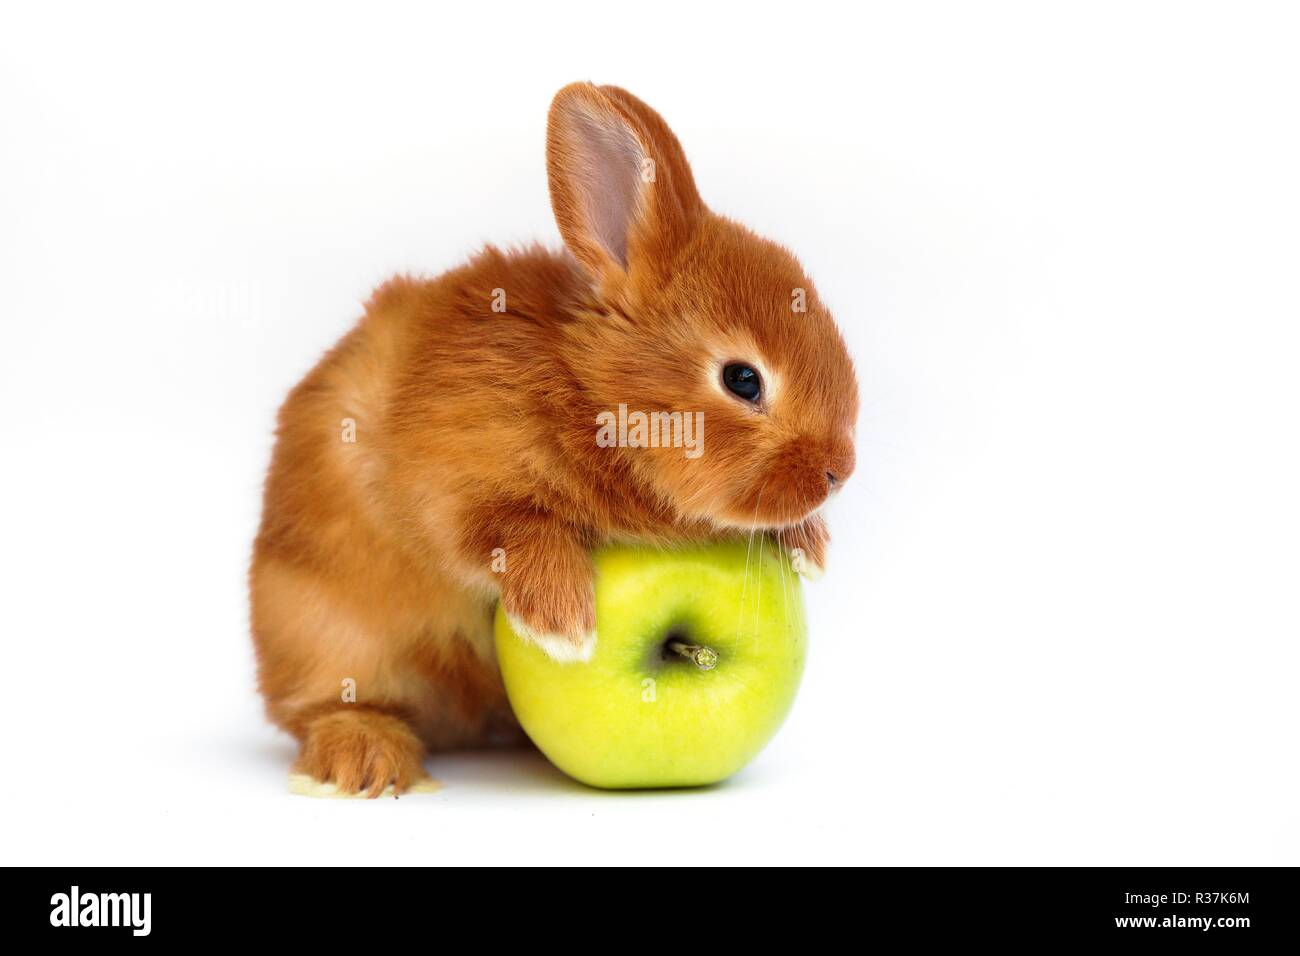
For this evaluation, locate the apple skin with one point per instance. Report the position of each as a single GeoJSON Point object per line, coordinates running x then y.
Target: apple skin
{"type": "Point", "coordinates": [631, 717]}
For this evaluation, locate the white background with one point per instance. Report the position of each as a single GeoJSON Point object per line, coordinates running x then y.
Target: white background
{"type": "Point", "coordinates": [1060, 625]}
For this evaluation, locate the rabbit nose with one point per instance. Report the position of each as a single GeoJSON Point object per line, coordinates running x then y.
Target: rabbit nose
{"type": "Point", "coordinates": [838, 466]}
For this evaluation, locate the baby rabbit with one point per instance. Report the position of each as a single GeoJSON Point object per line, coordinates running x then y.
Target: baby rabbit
{"type": "Point", "coordinates": [445, 453]}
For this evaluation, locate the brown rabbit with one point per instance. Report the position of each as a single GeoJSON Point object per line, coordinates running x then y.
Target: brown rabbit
{"type": "Point", "coordinates": [445, 453]}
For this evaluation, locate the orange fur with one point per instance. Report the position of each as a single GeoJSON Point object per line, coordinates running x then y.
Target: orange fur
{"type": "Point", "coordinates": [475, 431]}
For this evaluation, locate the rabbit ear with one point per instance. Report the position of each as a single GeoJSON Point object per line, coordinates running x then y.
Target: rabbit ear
{"type": "Point", "coordinates": [621, 189]}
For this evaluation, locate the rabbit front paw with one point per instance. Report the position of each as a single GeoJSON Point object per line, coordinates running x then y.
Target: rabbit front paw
{"type": "Point", "coordinates": [554, 610]}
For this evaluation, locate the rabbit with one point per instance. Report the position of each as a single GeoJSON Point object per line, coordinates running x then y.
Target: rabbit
{"type": "Point", "coordinates": [443, 455]}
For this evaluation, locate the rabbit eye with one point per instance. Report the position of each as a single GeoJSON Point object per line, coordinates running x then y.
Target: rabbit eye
{"type": "Point", "coordinates": [742, 381]}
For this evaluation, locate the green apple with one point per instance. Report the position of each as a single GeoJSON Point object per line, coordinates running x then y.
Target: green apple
{"type": "Point", "coordinates": [698, 656]}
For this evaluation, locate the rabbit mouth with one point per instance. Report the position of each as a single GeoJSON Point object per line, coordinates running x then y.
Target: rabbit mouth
{"type": "Point", "coordinates": [773, 506]}
{"type": "Point", "coordinates": [796, 484]}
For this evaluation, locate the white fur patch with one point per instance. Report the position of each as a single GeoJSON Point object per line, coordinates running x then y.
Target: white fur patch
{"type": "Point", "coordinates": [304, 785]}
{"type": "Point", "coordinates": [558, 647]}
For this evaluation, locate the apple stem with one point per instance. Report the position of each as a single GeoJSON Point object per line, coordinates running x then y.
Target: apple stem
{"type": "Point", "coordinates": [703, 657]}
